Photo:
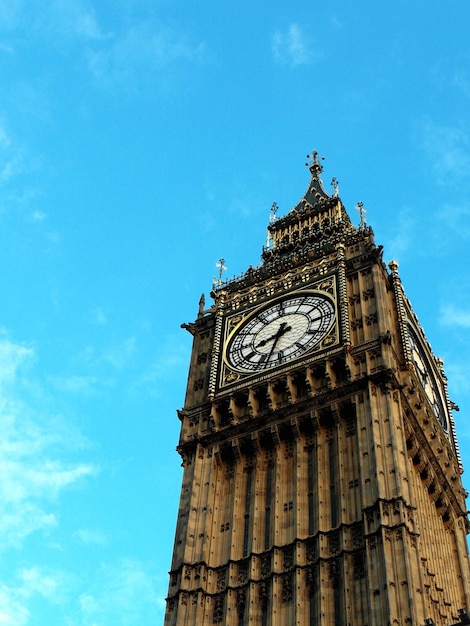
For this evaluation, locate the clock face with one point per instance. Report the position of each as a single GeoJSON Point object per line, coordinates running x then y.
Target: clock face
{"type": "Point", "coordinates": [426, 377]}
{"type": "Point", "coordinates": [280, 332]}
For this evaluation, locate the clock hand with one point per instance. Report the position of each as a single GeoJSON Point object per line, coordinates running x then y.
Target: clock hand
{"type": "Point", "coordinates": [282, 329]}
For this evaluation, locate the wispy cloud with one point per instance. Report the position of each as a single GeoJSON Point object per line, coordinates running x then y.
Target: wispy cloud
{"type": "Point", "coordinates": [11, 157]}
{"type": "Point", "coordinates": [119, 355]}
{"type": "Point", "coordinates": [133, 55]}
{"type": "Point", "coordinates": [448, 149]}
{"type": "Point", "coordinates": [453, 219]}
{"type": "Point", "coordinates": [10, 11]}
{"type": "Point", "coordinates": [70, 19]}
{"type": "Point", "coordinates": [462, 82]}
{"type": "Point", "coordinates": [122, 593]}
{"type": "Point", "coordinates": [399, 239]}
{"type": "Point", "coordinates": [141, 54]}
{"type": "Point", "coordinates": [451, 315]}
{"type": "Point", "coordinates": [91, 537]}
{"type": "Point", "coordinates": [170, 359]}
{"type": "Point", "coordinates": [292, 47]}
{"type": "Point", "coordinates": [81, 385]}
{"type": "Point", "coordinates": [99, 316]}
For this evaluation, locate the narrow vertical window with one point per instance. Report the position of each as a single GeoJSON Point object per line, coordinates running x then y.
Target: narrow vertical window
{"type": "Point", "coordinates": [267, 525]}
{"type": "Point", "coordinates": [246, 532]}
{"type": "Point", "coordinates": [241, 604]}
{"type": "Point", "coordinates": [338, 614]}
{"type": "Point", "coordinates": [331, 454]}
{"type": "Point", "coordinates": [310, 487]}
{"type": "Point", "coordinates": [312, 609]}
{"type": "Point", "coordinates": [264, 616]}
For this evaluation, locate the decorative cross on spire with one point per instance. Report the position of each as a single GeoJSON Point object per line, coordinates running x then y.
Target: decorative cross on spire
{"type": "Point", "coordinates": [334, 184]}
{"type": "Point", "coordinates": [362, 214]}
{"type": "Point", "coordinates": [315, 166]}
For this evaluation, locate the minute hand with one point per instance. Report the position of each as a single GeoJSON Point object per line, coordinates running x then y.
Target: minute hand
{"type": "Point", "coordinates": [283, 328]}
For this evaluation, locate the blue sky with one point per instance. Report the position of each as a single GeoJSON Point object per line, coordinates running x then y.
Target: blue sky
{"type": "Point", "coordinates": [140, 142]}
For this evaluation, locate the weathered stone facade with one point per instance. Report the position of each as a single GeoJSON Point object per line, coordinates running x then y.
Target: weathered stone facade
{"type": "Point", "coordinates": [322, 489]}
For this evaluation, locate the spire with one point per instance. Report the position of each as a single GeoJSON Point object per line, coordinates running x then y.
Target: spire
{"type": "Point", "coordinates": [316, 225]}
{"type": "Point", "coordinates": [316, 219]}
{"type": "Point", "coordinates": [315, 193]}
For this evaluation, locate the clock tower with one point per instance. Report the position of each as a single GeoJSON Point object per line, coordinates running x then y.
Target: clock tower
{"type": "Point", "coordinates": [322, 476]}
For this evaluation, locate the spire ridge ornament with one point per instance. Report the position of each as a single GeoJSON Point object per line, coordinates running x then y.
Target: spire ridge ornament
{"type": "Point", "coordinates": [334, 183]}
{"type": "Point", "coordinates": [362, 214]}
{"type": "Point", "coordinates": [216, 282]}
{"type": "Point", "coordinates": [272, 219]}
{"type": "Point", "coordinates": [274, 210]}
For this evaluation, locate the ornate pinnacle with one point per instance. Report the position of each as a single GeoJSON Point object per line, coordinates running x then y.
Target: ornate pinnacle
{"type": "Point", "coordinates": [314, 166]}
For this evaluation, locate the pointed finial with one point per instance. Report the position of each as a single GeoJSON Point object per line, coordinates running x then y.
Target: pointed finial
{"type": "Point", "coordinates": [362, 214]}
{"type": "Point", "coordinates": [334, 184]}
{"type": "Point", "coordinates": [393, 265]}
{"type": "Point", "coordinates": [202, 302]}
{"type": "Point", "coordinates": [315, 166]}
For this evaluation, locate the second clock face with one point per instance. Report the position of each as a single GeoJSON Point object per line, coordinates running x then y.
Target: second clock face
{"type": "Point", "coordinates": [280, 332]}
{"type": "Point", "coordinates": [426, 377]}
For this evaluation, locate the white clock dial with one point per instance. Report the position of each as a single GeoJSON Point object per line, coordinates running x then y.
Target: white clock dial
{"type": "Point", "coordinates": [280, 332]}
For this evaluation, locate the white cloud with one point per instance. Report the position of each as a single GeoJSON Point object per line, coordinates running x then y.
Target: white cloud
{"type": "Point", "coordinates": [13, 611]}
{"type": "Point", "coordinates": [34, 449]}
{"type": "Point", "coordinates": [35, 580]}
{"type": "Point", "coordinates": [27, 584]}
{"type": "Point", "coordinates": [291, 47]}
{"type": "Point", "coordinates": [12, 357]}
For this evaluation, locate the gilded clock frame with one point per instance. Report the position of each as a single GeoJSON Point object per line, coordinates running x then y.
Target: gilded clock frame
{"type": "Point", "coordinates": [230, 376]}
